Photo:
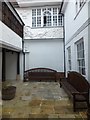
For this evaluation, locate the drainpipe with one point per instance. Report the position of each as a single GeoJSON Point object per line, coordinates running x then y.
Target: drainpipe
{"type": "Point", "coordinates": [63, 37]}
{"type": "Point", "coordinates": [18, 65]}
{"type": "Point", "coordinates": [23, 53]}
{"type": "Point", "coordinates": [64, 45]}
{"type": "Point", "coordinates": [23, 58]}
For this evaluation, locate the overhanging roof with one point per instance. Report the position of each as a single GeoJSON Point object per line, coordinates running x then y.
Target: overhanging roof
{"type": "Point", "coordinates": [33, 3]}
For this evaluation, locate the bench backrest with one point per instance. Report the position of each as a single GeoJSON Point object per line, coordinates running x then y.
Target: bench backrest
{"type": "Point", "coordinates": [37, 73]}
{"type": "Point", "coordinates": [78, 81]}
{"type": "Point", "coordinates": [42, 73]}
{"type": "Point", "coordinates": [41, 70]}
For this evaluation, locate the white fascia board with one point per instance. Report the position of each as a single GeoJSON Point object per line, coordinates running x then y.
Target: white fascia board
{"type": "Point", "coordinates": [65, 3]}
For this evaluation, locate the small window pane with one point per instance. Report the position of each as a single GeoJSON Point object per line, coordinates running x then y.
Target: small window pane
{"type": "Point", "coordinates": [47, 18]}
{"type": "Point", "coordinates": [69, 58]}
{"type": "Point", "coordinates": [34, 22]}
{"type": "Point", "coordinates": [80, 56]}
{"type": "Point", "coordinates": [49, 9]}
{"type": "Point", "coordinates": [44, 9]}
{"type": "Point", "coordinates": [38, 12]}
{"type": "Point", "coordinates": [54, 11]}
{"type": "Point", "coordinates": [83, 71]}
{"type": "Point", "coordinates": [60, 23]}
{"type": "Point", "coordinates": [34, 12]}
{"type": "Point", "coordinates": [81, 3]}
{"type": "Point", "coordinates": [54, 20]}
{"type": "Point", "coordinates": [38, 21]}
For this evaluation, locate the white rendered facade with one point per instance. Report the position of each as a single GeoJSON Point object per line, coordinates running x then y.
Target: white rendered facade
{"type": "Point", "coordinates": [77, 28]}
{"type": "Point", "coordinates": [11, 43]}
{"type": "Point", "coordinates": [43, 45]}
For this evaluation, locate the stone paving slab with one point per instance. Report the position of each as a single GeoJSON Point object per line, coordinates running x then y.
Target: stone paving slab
{"type": "Point", "coordinates": [39, 100]}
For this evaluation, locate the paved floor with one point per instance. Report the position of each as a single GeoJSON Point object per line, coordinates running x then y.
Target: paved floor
{"type": "Point", "coordinates": [40, 100]}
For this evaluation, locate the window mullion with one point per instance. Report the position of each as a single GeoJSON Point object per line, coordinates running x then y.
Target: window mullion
{"type": "Point", "coordinates": [36, 17]}
{"type": "Point", "coordinates": [41, 18]}
{"type": "Point", "coordinates": [57, 16]}
{"type": "Point", "coordinates": [52, 16]}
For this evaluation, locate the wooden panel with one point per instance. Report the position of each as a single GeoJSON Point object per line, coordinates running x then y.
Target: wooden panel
{"type": "Point", "coordinates": [0, 10]}
{"type": "Point", "coordinates": [11, 21]}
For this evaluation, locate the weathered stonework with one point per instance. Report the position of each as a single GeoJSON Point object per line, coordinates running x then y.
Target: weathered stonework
{"type": "Point", "coordinates": [43, 33]}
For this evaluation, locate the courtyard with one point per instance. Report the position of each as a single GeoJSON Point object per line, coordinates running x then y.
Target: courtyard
{"type": "Point", "coordinates": [39, 100]}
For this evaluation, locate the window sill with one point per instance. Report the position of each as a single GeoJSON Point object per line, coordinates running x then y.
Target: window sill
{"type": "Point", "coordinates": [46, 27]}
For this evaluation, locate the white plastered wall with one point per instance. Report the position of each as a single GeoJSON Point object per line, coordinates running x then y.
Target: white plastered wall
{"type": "Point", "coordinates": [73, 20]}
{"type": "Point", "coordinates": [9, 38]}
{"type": "Point", "coordinates": [72, 24]}
{"type": "Point", "coordinates": [72, 43]}
{"type": "Point", "coordinates": [89, 44]}
{"type": "Point", "coordinates": [44, 53]}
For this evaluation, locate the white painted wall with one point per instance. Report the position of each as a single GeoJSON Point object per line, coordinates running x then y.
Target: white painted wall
{"type": "Point", "coordinates": [9, 38]}
{"type": "Point", "coordinates": [72, 24]}
{"type": "Point", "coordinates": [89, 53]}
{"type": "Point", "coordinates": [89, 44]}
{"type": "Point", "coordinates": [11, 65]}
{"type": "Point", "coordinates": [83, 34]}
{"type": "Point", "coordinates": [44, 53]}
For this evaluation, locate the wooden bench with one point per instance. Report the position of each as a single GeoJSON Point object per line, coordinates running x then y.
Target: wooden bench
{"type": "Point", "coordinates": [77, 88]}
{"type": "Point", "coordinates": [40, 74]}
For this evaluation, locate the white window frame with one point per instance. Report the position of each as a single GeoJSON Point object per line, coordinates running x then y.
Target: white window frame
{"type": "Point", "coordinates": [59, 18]}
{"type": "Point", "coordinates": [47, 15]}
{"type": "Point", "coordinates": [38, 16]}
{"type": "Point", "coordinates": [79, 4]}
{"type": "Point", "coordinates": [69, 58]}
{"type": "Point", "coordinates": [34, 17]}
{"type": "Point", "coordinates": [81, 57]}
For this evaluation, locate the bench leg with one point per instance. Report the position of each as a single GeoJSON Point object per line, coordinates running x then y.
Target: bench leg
{"type": "Point", "coordinates": [88, 102]}
{"type": "Point", "coordinates": [60, 83]}
{"type": "Point", "coordinates": [74, 104]}
{"type": "Point", "coordinates": [88, 113]}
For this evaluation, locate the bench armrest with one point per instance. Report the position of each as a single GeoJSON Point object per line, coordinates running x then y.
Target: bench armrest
{"type": "Point", "coordinates": [79, 93]}
{"type": "Point", "coordinates": [63, 79]}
